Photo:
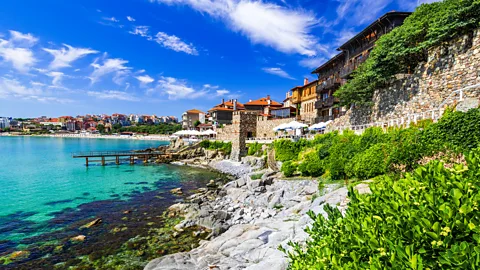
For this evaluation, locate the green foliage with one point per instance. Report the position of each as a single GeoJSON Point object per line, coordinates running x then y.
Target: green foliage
{"type": "Point", "coordinates": [287, 150]}
{"type": "Point", "coordinates": [255, 149]}
{"type": "Point", "coordinates": [428, 220]}
{"type": "Point", "coordinates": [225, 147]}
{"type": "Point", "coordinates": [288, 168]}
{"type": "Point", "coordinates": [370, 163]}
{"type": "Point", "coordinates": [401, 50]}
{"type": "Point", "coordinates": [196, 123]}
{"type": "Point", "coordinates": [311, 165]}
{"type": "Point", "coordinates": [162, 128]}
{"type": "Point", "coordinates": [101, 128]}
{"type": "Point", "coordinates": [256, 176]}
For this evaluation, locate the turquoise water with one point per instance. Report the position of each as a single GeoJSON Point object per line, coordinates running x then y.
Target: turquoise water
{"type": "Point", "coordinates": [39, 177]}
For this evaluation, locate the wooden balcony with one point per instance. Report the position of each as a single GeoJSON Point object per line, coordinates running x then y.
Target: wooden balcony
{"type": "Point", "coordinates": [328, 84]}
{"type": "Point", "coordinates": [347, 70]}
{"type": "Point", "coordinates": [327, 103]}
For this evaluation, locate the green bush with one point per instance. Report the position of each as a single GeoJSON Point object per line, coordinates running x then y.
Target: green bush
{"type": "Point", "coordinates": [428, 220]}
{"type": "Point", "coordinates": [226, 148]}
{"type": "Point", "coordinates": [288, 168]}
{"type": "Point", "coordinates": [288, 150]}
{"type": "Point", "coordinates": [343, 149]}
{"type": "Point", "coordinates": [255, 149]}
{"type": "Point", "coordinates": [311, 164]}
{"type": "Point", "coordinates": [368, 164]}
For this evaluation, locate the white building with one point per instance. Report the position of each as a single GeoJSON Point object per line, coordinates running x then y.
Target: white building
{"type": "Point", "coordinates": [4, 122]}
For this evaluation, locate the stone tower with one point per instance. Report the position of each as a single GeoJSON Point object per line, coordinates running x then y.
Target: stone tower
{"type": "Point", "coordinates": [244, 124]}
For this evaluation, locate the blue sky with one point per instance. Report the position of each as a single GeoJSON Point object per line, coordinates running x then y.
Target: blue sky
{"type": "Point", "coordinates": [166, 56]}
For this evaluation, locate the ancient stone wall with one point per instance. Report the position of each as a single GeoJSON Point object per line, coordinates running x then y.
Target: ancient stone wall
{"type": "Point", "coordinates": [265, 126]}
{"type": "Point", "coordinates": [244, 124]}
{"type": "Point", "coordinates": [226, 133]}
{"type": "Point", "coordinates": [452, 66]}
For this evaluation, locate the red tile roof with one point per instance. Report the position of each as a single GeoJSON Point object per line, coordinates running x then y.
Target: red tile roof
{"type": "Point", "coordinates": [195, 111]}
{"type": "Point", "coordinates": [263, 102]}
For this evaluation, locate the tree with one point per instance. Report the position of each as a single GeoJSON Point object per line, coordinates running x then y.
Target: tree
{"type": "Point", "coordinates": [197, 123]}
{"type": "Point", "coordinates": [101, 128]}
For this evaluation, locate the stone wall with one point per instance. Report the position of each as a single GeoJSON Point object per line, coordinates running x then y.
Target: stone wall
{"type": "Point", "coordinates": [452, 66]}
{"type": "Point", "coordinates": [226, 133]}
{"type": "Point", "coordinates": [265, 126]}
{"type": "Point", "coordinates": [244, 123]}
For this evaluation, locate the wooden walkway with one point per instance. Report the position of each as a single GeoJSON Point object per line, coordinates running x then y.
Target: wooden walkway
{"type": "Point", "coordinates": [104, 156]}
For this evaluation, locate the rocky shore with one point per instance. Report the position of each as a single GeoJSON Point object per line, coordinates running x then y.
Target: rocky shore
{"type": "Point", "coordinates": [248, 218]}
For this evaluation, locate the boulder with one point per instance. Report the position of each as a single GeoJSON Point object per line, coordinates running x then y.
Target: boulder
{"type": "Point", "coordinates": [78, 238]}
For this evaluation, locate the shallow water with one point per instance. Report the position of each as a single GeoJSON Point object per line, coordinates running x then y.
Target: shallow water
{"type": "Point", "coordinates": [44, 189]}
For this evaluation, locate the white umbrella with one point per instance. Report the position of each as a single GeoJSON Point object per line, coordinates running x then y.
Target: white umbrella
{"type": "Point", "coordinates": [209, 132]}
{"type": "Point", "coordinates": [295, 125]}
{"type": "Point", "coordinates": [318, 126]}
{"type": "Point", "coordinates": [280, 127]}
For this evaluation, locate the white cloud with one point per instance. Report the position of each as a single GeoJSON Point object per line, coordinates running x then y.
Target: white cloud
{"type": "Point", "coordinates": [65, 56]}
{"type": "Point", "coordinates": [313, 62]}
{"type": "Point", "coordinates": [111, 19]}
{"type": "Point", "coordinates": [110, 66]}
{"type": "Point", "coordinates": [177, 89]}
{"type": "Point", "coordinates": [17, 50]}
{"type": "Point", "coordinates": [222, 92]}
{"type": "Point", "coordinates": [113, 94]}
{"type": "Point", "coordinates": [13, 88]}
{"type": "Point", "coordinates": [174, 43]}
{"type": "Point", "coordinates": [56, 77]}
{"type": "Point", "coordinates": [284, 29]}
{"type": "Point", "coordinates": [278, 72]}
{"type": "Point", "coordinates": [360, 11]}
{"type": "Point", "coordinates": [131, 19]}
{"type": "Point", "coordinates": [141, 31]}
{"type": "Point", "coordinates": [145, 79]}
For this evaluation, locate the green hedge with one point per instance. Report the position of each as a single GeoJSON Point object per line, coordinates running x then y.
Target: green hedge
{"type": "Point", "coordinates": [428, 220]}
{"type": "Point", "coordinates": [376, 152]}
{"type": "Point", "coordinates": [217, 145]}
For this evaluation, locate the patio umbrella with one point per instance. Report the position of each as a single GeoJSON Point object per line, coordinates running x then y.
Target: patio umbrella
{"type": "Point", "coordinates": [280, 127]}
{"type": "Point", "coordinates": [295, 125]}
{"type": "Point", "coordinates": [209, 132]}
{"type": "Point", "coordinates": [318, 126]}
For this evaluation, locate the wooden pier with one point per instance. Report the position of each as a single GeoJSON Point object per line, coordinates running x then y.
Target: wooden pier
{"type": "Point", "coordinates": [105, 156]}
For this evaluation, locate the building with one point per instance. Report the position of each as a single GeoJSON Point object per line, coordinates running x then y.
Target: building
{"type": "Point", "coordinates": [190, 117]}
{"type": "Point", "coordinates": [222, 113]}
{"type": "Point", "coordinates": [4, 122]}
{"type": "Point", "coordinates": [304, 99]}
{"type": "Point", "coordinates": [263, 105]}
{"type": "Point", "coordinates": [336, 71]}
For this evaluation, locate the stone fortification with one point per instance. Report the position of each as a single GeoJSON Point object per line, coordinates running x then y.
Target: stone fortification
{"type": "Point", "coordinates": [265, 126]}
{"type": "Point", "coordinates": [452, 66]}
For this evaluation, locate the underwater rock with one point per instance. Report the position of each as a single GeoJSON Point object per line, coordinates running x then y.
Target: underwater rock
{"type": "Point", "coordinates": [177, 191]}
{"type": "Point", "coordinates": [95, 222]}
{"type": "Point", "coordinates": [78, 238]}
{"type": "Point", "coordinates": [19, 255]}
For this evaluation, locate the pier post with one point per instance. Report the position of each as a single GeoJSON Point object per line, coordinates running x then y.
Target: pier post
{"type": "Point", "coordinates": [131, 160]}
{"type": "Point", "coordinates": [117, 160]}
{"type": "Point", "coordinates": [103, 161]}
{"type": "Point", "coordinates": [86, 162]}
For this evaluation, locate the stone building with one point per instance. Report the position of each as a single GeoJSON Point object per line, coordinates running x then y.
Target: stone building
{"type": "Point", "coordinates": [336, 71]}
{"type": "Point", "coordinates": [222, 113]}
{"type": "Point", "coordinates": [263, 105]}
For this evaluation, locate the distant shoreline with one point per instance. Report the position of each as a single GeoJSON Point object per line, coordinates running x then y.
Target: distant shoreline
{"type": "Point", "coordinates": [164, 138]}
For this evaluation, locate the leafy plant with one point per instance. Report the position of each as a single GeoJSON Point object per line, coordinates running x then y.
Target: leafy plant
{"type": "Point", "coordinates": [288, 168]}
{"type": "Point", "coordinates": [428, 220]}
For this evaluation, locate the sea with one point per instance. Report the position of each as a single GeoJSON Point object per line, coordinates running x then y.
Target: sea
{"type": "Point", "coordinates": [46, 194]}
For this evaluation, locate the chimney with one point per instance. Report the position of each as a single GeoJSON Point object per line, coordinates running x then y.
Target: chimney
{"type": "Point", "coordinates": [305, 81]}
{"type": "Point", "coordinates": [234, 104]}
{"type": "Point", "coordinates": [223, 100]}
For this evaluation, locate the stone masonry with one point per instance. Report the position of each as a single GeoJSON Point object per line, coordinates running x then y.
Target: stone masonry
{"type": "Point", "coordinates": [243, 123]}
{"type": "Point", "coordinates": [452, 66]}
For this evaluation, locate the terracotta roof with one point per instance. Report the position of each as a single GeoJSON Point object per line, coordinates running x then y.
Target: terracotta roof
{"type": "Point", "coordinates": [263, 102]}
{"type": "Point", "coordinates": [217, 108]}
{"type": "Point", "coordinates": [195, 111]}
{"type": "Point", "coordinates": [227, 106]}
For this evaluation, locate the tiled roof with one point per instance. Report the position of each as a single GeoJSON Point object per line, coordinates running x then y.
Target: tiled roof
{"type": "Point", "coordinates": [195, 111]}
{"type": "Point", "coordinates": [263, 102]}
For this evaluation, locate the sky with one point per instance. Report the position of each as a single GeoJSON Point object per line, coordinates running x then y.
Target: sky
{"type": "Point", "coordinates": [163, 57]}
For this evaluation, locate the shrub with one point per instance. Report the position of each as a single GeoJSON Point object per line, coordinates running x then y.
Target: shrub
{"type": "Point", "coordinates": [311, 164]}
{"type": "Point", "coordinates": [288, 168]}
{"type": "Point", "coordinates": [428, 220]}
{"type": "Point", "coordinates": [368, 164]}
{"type": "Point", "coordinates": [288, 150]}
{"type": "Point", "coordinates": [226, 148]}
{"type": "Point", "coordinates": [255, 149]}
{"type": "Point", "coordinates": [343, 149]}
